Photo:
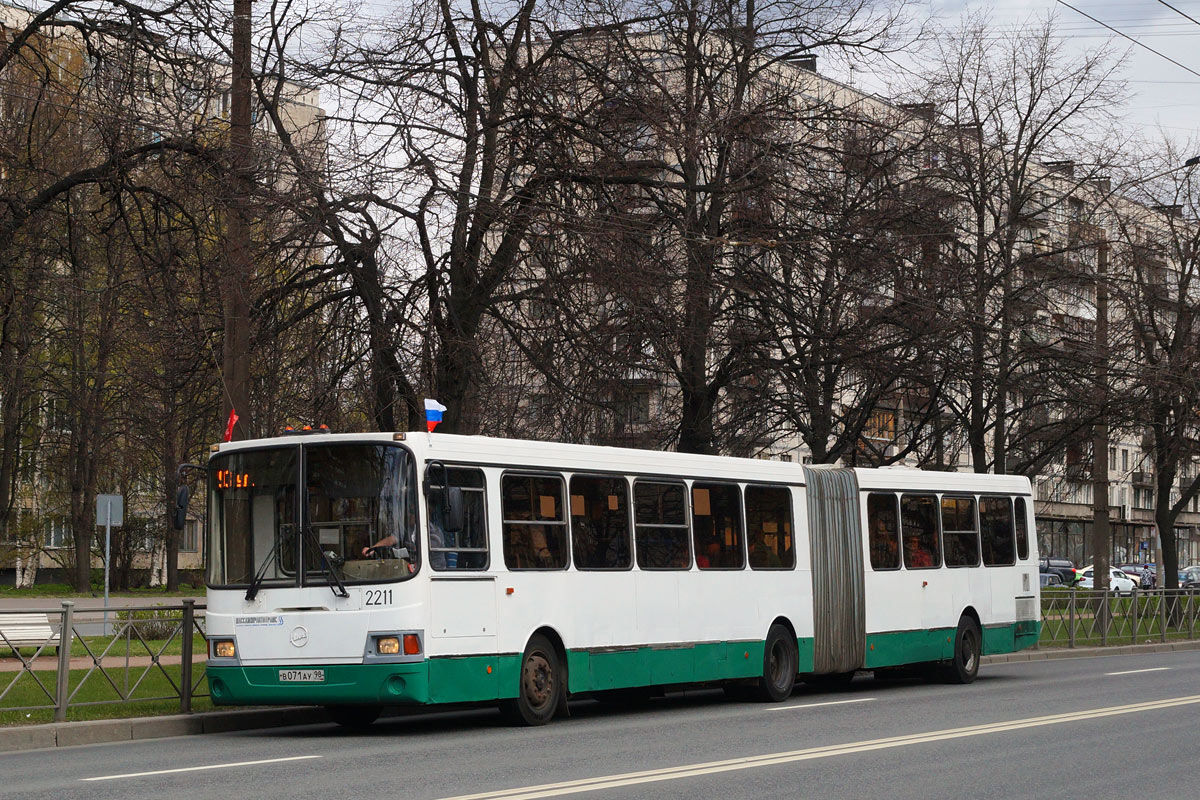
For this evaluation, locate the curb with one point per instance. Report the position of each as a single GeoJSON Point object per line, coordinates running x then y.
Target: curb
{"type": "Point", "coordinates": [1093, 652]}
{"type": "Point", "coordinates": [69, 734]}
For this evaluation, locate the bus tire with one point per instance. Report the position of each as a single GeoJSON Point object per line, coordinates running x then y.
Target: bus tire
{"type": "Point", "coordinates": [354, 717]}
{"type": "Point", "coordinates": [540, 689]}
{"type": "Point", "coordinates": [779, 666]}
{"type": "Point", "coordinates": [968, 646]}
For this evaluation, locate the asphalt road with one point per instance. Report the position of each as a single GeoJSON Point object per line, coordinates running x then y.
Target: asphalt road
{"type": "Point", "coordinates": [1108, 727]}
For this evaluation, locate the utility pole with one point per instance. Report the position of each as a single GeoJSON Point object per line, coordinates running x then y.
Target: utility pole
{"type": "Point", "coordinates": [239, 252]}
{"type": "Point", "coordinates": [1101, 536]}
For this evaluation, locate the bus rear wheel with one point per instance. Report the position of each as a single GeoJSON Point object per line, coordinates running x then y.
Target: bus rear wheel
{"type": "Point", "coordinates": [968, 640]}
{"type": "Point", "coordinates": [779, 666]}
{"type": "Point", "coordinates": [354, 717]}
{"type": "Point", "coordinates": [541, 686]}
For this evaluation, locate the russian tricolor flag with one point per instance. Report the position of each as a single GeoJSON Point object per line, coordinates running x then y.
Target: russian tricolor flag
{"type": "Point", "coordinates": [433, 413]}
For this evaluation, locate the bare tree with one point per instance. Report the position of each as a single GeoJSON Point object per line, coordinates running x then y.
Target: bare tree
{"type": "Point", "coordinates": [1010, 108]}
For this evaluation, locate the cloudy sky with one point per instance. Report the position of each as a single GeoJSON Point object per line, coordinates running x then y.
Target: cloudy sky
{"type": "Point", "coordinates": [1162, 95]}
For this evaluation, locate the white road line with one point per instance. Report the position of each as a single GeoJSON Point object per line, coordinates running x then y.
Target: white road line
{"type": "Point", "coordinates": [1136, 671]}
{"type": "Point", "coordinates": [197, 769]}
{"type": "Point", "coordinates": [815, 705]}
{"type": "Point", "coordinates": [772, 759]}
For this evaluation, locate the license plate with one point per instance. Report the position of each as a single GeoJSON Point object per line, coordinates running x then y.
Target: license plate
{"type": "Point", "coordinates": [301, 676]}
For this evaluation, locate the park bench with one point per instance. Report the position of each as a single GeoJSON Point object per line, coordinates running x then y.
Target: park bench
{"type": "Point", "coordinates": [25, 630]}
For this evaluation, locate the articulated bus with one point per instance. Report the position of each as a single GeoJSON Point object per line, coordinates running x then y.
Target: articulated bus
{"type": "Point", "coordinates": [359, 571]}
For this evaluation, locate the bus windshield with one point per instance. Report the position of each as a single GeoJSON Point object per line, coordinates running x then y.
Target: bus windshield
{"type": "Point", "coordinates": [356, 497]}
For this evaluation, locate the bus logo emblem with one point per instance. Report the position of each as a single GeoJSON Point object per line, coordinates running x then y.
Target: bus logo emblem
{"type": "Point", "coordinates": [299, 636]}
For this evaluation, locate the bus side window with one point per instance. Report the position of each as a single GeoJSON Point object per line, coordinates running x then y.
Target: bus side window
{"type": "Point", "coordinates": [960, 532]}
{"type": "Point", "coordinates": [1022, 529]}
{"type": "Point", "coordinates": [468, 548]}
{"type": "Point", "coordinates": [717, 525]}
{"type": "Point", "coordinates": [919, 526]}
{"type": "Point", "coordinates": [769, 527]}
{"type": "Point", "coordinates": [996, 531]}
{"type": "Point", "coordinates": [600, 522]}
{"type": "Point", "coordinates": [535, 525]}
{"type": "Point", "coordinates": [661, 525]}
{"type": "Point", "coordinates": [884, 535]}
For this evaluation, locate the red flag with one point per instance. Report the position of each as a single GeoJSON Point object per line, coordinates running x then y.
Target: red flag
{"type": "Point", "coordinates": [233, 418]}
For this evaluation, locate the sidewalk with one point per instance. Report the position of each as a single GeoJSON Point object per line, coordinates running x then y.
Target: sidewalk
{"type": "Point", "coordinates": [65, 734]}
{"type": "Point", "coordinates": [10, 664]}
{"type": "Point", "coordinates": [93, 603]}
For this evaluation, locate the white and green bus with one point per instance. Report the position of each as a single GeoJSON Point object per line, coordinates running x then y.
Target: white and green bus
{"type": "Point", "coordinates": [370, 570]}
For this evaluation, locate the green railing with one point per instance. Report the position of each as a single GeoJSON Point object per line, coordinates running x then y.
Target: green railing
{"type": "Point", "coordinates": [1091, 617]}
{"type": "Point", "coordinates": [145, 654]}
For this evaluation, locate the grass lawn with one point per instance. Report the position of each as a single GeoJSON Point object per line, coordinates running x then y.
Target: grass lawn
{"type": "Point", "coordinates": [20, 689]}
{"type": "Point", "coordinates": [65, 592]}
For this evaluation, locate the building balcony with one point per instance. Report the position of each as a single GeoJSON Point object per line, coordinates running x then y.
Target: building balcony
{"type": "Point", "coordinates": [1141, 478]}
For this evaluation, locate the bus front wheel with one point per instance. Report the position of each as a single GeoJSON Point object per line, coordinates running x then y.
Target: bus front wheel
{"type": "Point", "coordinates": [968, 640]}
{"type": "Point", "coordinates": [541, 685]}
{"type": "Point", "coordinates": [779, 666]}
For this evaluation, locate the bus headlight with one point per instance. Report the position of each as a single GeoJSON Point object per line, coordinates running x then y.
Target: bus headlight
{"type": "Point", "coordinates": [387, 645]}
{"type": "Point", "coordinates": [224, 648]}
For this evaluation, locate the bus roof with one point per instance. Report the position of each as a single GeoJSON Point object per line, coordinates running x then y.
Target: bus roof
{"type": "Point", "coordinates": [523, 453]}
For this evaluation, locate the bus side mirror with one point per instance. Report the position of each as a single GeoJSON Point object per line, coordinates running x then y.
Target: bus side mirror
{"type": "Point", "coordinates": [453, 517]}
{"type": "Point", "coordinates": [179, 519]}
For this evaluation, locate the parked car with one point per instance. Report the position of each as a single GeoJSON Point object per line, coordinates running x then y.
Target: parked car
{"type": "Point", "coordinates": [1061, 567]}
{"type": "Point", "coordinates": [1049, 579]}
{"type": "Point", "coordinates": [1118, 581]}
{"type": "Point", "coordinates": [1190, 578]}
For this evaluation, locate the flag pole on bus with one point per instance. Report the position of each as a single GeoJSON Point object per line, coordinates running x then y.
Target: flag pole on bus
{"type": "Point", "coordinates": [433, 415]}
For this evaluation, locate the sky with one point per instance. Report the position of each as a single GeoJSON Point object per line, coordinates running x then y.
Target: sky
{"type": "Point", "coordinates": [1163, 96]}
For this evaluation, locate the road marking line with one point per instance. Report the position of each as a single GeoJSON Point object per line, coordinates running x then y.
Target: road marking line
{"type": "Point", "coordinates": [772, 759]}
{"type": "Point", "coordinates": [197, 769]}
{"type": "Point", "coordinates": [830, 703]}
{"type": "Point", "coordinates": [1136, 671]}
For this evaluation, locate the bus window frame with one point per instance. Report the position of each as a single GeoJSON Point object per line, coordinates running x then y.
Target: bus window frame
{"type": "Point", "coordinates": [898, 533]}
{"type": "Point", "coordinates": [974, 498]}
{"type": "Point", "coordinates": [566, 525]}
{"type": "Point", "coordinates": [687, 521]}
{"type": "Point", "coordinates": [746, 524]}
{"type": "Point", "coordinates": [1028, 503]}
{"type": "Point", "coordinates": [1012, 527]}
{"type": "Point", "coordinates": [630, 531]}
{"type": "Point", "coordinates": [940, 561]}
{"type": "Point", "coordinates": [741, 516]}
{"type": "Point", "coordinates": [428, 486]}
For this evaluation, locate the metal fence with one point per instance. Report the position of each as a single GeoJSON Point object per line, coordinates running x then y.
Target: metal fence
{"type": "Point", "coordinates": [1091, 617]}
{"type": "Point", "coordinates": [61, 657]}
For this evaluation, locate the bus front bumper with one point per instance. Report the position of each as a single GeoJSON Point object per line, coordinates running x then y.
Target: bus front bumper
{"type": "Point", "coordinates": [384, 684]}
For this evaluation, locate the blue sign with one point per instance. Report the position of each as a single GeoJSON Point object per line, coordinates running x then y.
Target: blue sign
{"type": "Point", "coordinates": [1142, 545]}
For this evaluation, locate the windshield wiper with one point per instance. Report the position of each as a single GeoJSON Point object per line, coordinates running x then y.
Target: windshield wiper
{"type": "Point", "coordinates": [261, 574]}
{"type": "Point", "coordinates": [327, 569]}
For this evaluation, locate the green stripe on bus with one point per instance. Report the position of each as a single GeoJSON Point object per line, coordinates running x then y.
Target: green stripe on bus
{"type": "Point", "coordinates": [896, 648]}
{"type": "Point", "coordinates": [465, 679]}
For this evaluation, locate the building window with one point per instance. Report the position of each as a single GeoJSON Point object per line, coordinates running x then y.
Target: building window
{"type": "Point", "coordinates": [190, 537]}
{"type": "Point", "coordinates": [56, 532]}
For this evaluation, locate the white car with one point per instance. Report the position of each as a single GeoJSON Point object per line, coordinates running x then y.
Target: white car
{"type": "Point", "coordinates": [1118, 581]}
